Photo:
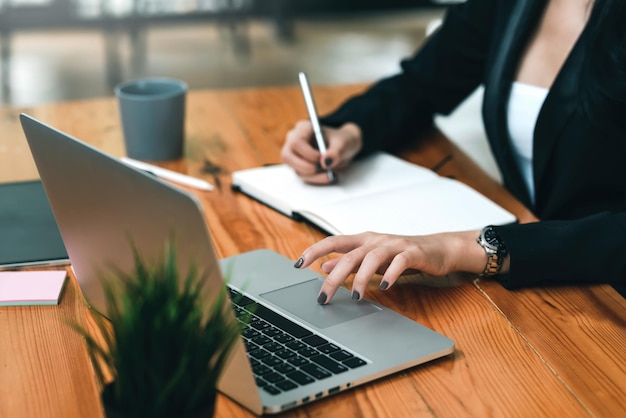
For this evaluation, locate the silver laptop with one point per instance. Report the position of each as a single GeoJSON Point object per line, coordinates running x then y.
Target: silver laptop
{"type": "Point", "coordinates": [296, 351]}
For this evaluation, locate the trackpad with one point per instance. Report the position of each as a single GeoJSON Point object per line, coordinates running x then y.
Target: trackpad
{"type": "Point", "coordinates": [300, 301]}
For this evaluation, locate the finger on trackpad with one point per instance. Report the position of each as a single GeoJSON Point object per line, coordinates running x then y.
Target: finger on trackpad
{"type": "Point", "coordinates": [300, 301]}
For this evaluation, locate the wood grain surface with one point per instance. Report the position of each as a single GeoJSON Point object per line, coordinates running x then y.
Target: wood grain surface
{"type": "Point", "coordinates": [533, 352]}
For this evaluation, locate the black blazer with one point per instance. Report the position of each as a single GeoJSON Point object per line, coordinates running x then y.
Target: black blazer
{"type": "Point", "coordinates": [579, 167]}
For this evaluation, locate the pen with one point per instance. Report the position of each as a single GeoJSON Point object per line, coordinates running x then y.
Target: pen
{"type": "Point", "coordinates": [317, 129]}
{"type": "Point", "coordinates": [168, 174]}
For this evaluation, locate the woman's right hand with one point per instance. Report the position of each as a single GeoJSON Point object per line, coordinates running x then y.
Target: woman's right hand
{"type": "Point", "coordinates": [301, 153]}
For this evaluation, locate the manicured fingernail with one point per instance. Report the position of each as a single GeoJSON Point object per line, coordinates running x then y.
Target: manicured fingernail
{"type": "Point", "coordinates": [319, 169]}
{"type": "Point", "coordinates": [355, 295]}
{"type": "Point", "coordinates": [321, 299]}
{"type": "Point", "coordinates": [298, 263]}
{"type": "Point", "coordinates": [328, 161]}
{"type": "Point", "coordinates": [383, 285]}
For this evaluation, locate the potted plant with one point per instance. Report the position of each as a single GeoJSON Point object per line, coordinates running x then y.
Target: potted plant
{"type": "Point", "coordinates": [162, 347]}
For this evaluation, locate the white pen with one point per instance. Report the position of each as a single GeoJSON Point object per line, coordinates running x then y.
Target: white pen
{"type": "Point", "coordinates": [317, 129]}
{"type": "Point", "coordinates": [168, 174]}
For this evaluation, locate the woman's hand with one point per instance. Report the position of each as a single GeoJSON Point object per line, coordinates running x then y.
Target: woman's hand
{"type": "Point", "coordinates": [300, 152]}
{"type": "Point", "coordinates": [372, 253]}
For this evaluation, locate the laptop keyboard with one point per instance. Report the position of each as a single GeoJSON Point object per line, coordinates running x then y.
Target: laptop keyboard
{"type": "Point", "coordinates": [283, 354]}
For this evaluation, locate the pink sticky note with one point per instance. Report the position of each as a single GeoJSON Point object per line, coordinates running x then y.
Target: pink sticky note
{"type": "Point", "coordinates": [31, 287]}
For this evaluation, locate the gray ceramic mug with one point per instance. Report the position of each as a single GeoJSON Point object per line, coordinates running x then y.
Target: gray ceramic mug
{"type": "Point", "coordinates": [152, 111]}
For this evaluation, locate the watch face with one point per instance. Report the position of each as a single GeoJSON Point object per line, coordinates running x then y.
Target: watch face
{"type": "Point", "coordinates": [491, 237]}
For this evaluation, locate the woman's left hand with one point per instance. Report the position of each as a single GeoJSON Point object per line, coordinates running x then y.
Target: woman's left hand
{"type": "Point", "coordinates": [370, 253]}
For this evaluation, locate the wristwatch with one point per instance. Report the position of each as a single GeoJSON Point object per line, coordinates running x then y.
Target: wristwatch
{"type": "Point", "coordinates": [495, 249]}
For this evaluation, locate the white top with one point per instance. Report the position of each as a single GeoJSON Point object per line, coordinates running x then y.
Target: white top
{"type": "Point", "coordinates": [525, 103]}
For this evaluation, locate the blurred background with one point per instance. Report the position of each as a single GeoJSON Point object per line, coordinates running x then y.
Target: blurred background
{"type": "Point", "coordinates": [53, 50]}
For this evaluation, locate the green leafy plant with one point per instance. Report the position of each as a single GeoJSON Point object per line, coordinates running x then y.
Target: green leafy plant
{"type": "Point", "coordinates": [163, 346]}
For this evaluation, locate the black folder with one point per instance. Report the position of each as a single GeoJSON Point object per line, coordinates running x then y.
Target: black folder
{"type": "Point", "coordinates": [29, 235]}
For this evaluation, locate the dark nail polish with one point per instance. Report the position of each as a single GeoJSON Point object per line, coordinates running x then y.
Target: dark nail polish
{"type": "Point", "coordinates": [299, 263]}
{"type": "Point", "coordinates": [383, 285]}
{"type": "Point", "coordinates": [328, 161]}
{"type": "Point", "coordinates": [321, 299]}
{"type": "Point", "coordinates": [319, 169]}
{"type": "Point", "coordinates": [355, 295]}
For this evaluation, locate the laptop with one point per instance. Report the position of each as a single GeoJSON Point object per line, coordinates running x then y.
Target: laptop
{"type": "Point", "coordinates": [29, 236]}
{"type": "Point", "coordinates": [295, 352]}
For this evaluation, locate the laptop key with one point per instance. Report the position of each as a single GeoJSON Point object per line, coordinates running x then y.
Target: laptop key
{"type": "Point", "coordinates": [308, 352]}
{"type": "Point", "coordinates": [284, 353]}
{"type": "Point", "coordinates": [272, 361]}
{"type": "Point", "coordinates": [341, 355]}
{"type": "Point", "coordinates": [295, 345]}
{"type": "Point", "coordinates": [271, 390]}
{"type": "Point", "coordinates": [284, 338]}
{"type": "Point", "coordinates": [330, 364]}
{"type": "Point", "coordinates": [314, 340]}
{"type": "Point", "coordinates": [259, 354]}
{"type": "Point", "coordinates": [250, 333]}
{"type": "Point", "coordinates": [273, 346]}
{"type": "Point", "coordinates": [328, 348]}
{"type": "Point", "coordinates": [273, 377]}
{"type": "Point", "coordinates": [316, 371]}
{"type": "Point", "coordinates": [272, 332]}
{"type": "Point", "coordinates": [286, 385]}
{"type": "Point", "coordinates": [354, 362]}
{"type": "Point", "coordinates": [261, 340]}
{"type": "Point", "coordinates": [284, 368]}
{"type": "Point", "coordinates": [233, 295]}
{"type": "Point", "coordinates": [261, 369]}
{"type": "Point", "coordinates": [298, 361]}
{"type": "Point", "coordinates": [300, 378]}
{"type": "Point", "coordinates": [259, 325]}
{"type": "Point", "coordinates": [239, 299]}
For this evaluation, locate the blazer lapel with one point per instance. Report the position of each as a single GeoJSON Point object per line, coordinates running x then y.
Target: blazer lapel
{"type": "Point", "coordinates": [558, 108]}
{"type": "Point", "coordinates": [507, 53]}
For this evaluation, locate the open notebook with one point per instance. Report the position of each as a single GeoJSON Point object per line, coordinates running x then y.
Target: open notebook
{"type": "Point", "coordinates": [380, 193]}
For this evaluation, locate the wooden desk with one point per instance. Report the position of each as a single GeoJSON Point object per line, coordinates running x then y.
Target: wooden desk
{"type": "Point", "coordinates": [536, 352]}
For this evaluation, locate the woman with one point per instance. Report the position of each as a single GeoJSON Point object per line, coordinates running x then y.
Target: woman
{"type": "Point", "coordinates": [554, 111]}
